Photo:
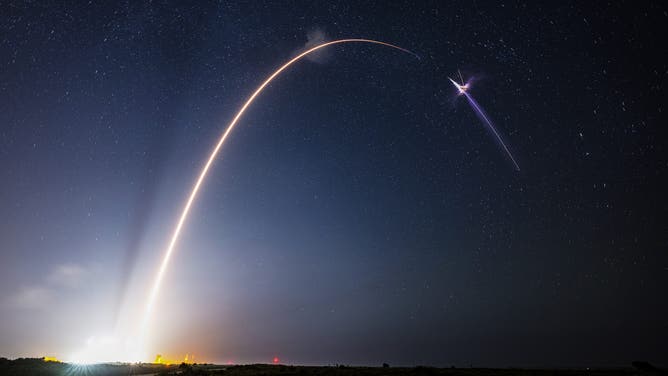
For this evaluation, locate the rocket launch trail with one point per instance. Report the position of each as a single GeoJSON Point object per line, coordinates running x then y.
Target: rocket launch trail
{"type": "Point", "coordinates": [463, 90]}
{"type": "Point", "coordinates": [214, 153]}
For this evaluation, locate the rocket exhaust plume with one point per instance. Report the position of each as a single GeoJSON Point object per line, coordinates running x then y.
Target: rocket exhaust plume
{"type": "Point", "coordinates": [485, 119]}
{"type": "Point", "coordinates": [463, 90]}
{"type": "Point", "coordinates": [205, 169]}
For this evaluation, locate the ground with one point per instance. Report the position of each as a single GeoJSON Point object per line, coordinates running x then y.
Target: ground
{"type": "Point", "coordinates": [39, 367]}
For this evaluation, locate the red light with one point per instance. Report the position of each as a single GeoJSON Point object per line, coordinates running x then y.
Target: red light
{"type": "Point", "coordinates": [276, 360]}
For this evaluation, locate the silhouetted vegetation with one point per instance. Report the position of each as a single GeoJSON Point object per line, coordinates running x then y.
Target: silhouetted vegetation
{"type": "Point", "coordinates": [26, 366]}
{"type": "Point", "coordinates": [643, 366]}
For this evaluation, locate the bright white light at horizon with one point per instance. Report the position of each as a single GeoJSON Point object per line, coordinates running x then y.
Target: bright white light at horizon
{"type": "Point", "coordinates": [108, 349]}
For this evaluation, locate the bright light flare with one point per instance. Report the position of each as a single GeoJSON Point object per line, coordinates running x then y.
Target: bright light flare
{"type": "Point", "coordinates": [461, 88]}
{"type": "Point", "coordinates": [107, 349]}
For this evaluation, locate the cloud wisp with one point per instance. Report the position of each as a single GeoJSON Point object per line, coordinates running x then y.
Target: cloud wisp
{"type": "Point", "coordinates": [61, 278]}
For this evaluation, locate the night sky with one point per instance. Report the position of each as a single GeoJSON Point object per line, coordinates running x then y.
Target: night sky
{"type": "Point", "coordinates": [361, 213]}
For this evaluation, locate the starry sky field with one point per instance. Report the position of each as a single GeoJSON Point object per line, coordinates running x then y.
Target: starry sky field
{"type": "Point", "coordinates": [361, 213]}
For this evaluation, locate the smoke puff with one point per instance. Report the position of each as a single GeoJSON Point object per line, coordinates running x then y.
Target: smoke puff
{"type": "Point", "coordinates": [313, 38]}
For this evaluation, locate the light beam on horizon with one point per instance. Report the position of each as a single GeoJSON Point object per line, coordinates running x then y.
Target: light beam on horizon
{"type": "Point", "coordinates": [463, 90]}
{"type": "Point", "coordinates": [205, 169]}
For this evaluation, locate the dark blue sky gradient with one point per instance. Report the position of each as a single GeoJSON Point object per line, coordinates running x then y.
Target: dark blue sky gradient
{"type": "Point", "coordinates": [360, 212]}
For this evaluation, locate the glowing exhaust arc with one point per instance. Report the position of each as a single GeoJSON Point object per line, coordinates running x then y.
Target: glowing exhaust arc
{"type": "Point", "coordinates": [193, 194]}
